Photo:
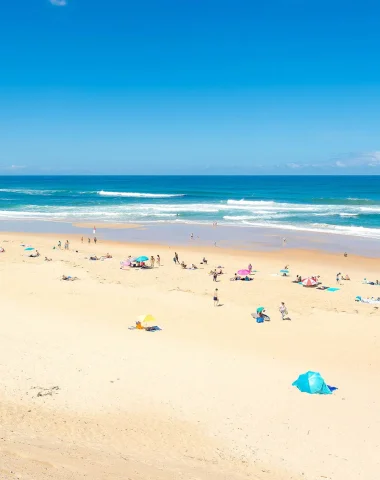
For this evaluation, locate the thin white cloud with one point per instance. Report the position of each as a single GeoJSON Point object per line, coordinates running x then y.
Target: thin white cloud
{"type": "Point", "coordinates": [12, 167]}
{"type": "Point", "coordinates": [356, 160]}
{"type": "Point", "coordinates": [58, 3]}
{"type": "Point", "coordinates": [296, 165]}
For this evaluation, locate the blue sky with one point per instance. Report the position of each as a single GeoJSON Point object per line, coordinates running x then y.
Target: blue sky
{"type": "Point", "coordinates": [189, 87]}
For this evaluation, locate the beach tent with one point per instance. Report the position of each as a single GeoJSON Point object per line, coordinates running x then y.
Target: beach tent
{"type": "Point", "coordinates": [312, 382]}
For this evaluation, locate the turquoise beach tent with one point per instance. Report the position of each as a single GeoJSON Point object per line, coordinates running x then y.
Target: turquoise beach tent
{"type": "Point", "coordinates": [312, 382]}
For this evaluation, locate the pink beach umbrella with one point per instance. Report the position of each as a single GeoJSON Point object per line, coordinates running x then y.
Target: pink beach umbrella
{"type": "Point", "coordinates": [309, 282]}
{"type": "Point", "coordinates": [243, 272]}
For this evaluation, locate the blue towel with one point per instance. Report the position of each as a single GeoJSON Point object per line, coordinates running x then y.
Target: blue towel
{"type": "Point", "coordinates": [332, 289]}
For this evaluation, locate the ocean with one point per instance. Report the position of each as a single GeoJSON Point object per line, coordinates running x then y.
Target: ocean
{"type": "Point", "coordinates": [348, 205]}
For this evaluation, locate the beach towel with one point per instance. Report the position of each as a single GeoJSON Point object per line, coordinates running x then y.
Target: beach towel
{"type": "Point", "coordinates": [332, 289]}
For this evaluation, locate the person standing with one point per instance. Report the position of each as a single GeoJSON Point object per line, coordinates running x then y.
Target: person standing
{"type": "Point", "coordinates": [216, 297]}
{"type": "Point", "coordinates": [158, 261]}
{"type": "Point", "coordinates": [176, 257]}
{"type": "Point", "coordinates": [152, 261]}
{"type": "Point", "coordinates": [95, 240]}
{"type": "Point", "coordinates": [60, 245]}
{"type": "Point", "coordinates": [215, 276]}
{"type": "Point", "coordinates": [94, 230]}
{"type": "Point", "coordinates": [82, 239]}
{"type": "Point", "coordinates": [283, 310]}
{"type": "Point", "coordinates": [89, 240]}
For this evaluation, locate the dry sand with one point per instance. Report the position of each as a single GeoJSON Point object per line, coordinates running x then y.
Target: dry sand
{"type": "Point", "coordinates": [208, 397]}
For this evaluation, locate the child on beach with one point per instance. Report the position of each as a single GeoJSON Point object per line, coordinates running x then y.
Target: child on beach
{"type": "Point", "coordinates": [158, 260]}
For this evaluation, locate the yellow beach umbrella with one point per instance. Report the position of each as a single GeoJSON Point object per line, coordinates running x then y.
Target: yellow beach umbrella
{"type": "Point", "coordinates": [146, 318]}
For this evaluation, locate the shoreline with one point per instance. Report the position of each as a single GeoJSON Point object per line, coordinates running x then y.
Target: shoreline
{"type": "Point", "coordinates": [241, 238]}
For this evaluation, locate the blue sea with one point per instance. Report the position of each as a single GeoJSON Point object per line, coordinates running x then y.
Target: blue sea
{"type": "Point", "coordinates": [349, 205]}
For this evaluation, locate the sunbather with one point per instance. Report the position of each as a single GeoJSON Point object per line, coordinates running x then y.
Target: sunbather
{"type": "Point", "coordinates": [69, 278]}
{"type": "Point", "coordinates": [346, 277]}
{"type": "Point", "coordinates": [48, 259]}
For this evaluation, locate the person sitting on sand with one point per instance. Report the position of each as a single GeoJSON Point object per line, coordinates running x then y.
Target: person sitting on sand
{"type": "Point", "coordinates": [2, 250]}
{"type": "Point", "coordinates": [34, 255]}
{"type": "Point", "coordinates": [48, 259]}
{"type": "Point", "coordinates": [183, 265]}
{"type": "Point", "coordinates": [346, 277]}
{"type": "Point", "coordinates": [204, 261]}
{"type": "Point", "coordinates": [220, 272]}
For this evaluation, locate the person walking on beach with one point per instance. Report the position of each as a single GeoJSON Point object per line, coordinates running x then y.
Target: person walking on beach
{"type": "Point", "coordinates": [89, 240]}
{"type": "Point", "coordinates": [158, 261]}
{"type": "Point", "coordinates": [338, 278]}
{"type": "Point", "coordinates": [215, 276]}
{"type": "Point", "coordinates": [216, 298]}
{"type": "Point", "coordinates": [60, 245]}
{"type": "Point", "coordinates": [176, 257]}
{"type": "Point", "coordinates": [95, 240]}
{"type": "Point", "coordinates": [283, 310]}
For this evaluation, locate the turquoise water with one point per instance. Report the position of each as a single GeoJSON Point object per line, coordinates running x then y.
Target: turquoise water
{"type": "Point", "coordinates": [348, 205]}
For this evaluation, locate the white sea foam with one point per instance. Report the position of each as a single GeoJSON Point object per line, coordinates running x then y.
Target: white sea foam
{"type": "Point", "coordinates": [138, 195]}
{"type": "Point", "coordinates": [25, 191]}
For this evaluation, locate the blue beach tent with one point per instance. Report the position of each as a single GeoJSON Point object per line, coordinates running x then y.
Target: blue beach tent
{"type": "Point", "coordinates": [312, 382]}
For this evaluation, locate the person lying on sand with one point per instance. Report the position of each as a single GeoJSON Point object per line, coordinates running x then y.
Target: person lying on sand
{"type": "Point", "coordinates": [34, 255]}
{"type": "Point", "coordinates": [69, 278]}
{"type": "Point", "coordinates": [105, 257]}
{"type": "Point", "coordinates": [48, 259]}
{"type": "Point", "coordinates": [94, 257]}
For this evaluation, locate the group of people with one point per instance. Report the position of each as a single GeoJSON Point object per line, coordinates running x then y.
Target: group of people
{"type": "Point", "coordinates": [153, 261]}
{"type": "Point", "coordinates": [89, 240]}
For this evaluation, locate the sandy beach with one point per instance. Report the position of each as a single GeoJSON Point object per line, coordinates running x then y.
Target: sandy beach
{"type": "Point", "coordinates": [209, 396]}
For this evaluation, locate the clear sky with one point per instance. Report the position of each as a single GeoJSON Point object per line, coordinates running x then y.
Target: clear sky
{"type": "Point", "coordinates": [189, 86]}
